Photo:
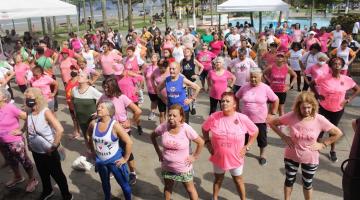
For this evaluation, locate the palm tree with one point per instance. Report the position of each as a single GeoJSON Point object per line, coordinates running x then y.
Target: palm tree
{"type": "Point", "coordinates": [130, 23]}
{"type": "Point", "coordinates": [104, 17]}
{"type": "Point", "coordinates": [119, 14]}
{"type": "Point", "coordinates": [91, 12]}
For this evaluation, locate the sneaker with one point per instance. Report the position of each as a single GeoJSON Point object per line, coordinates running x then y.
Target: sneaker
{"type": "Point", "coordinates": [332, 156]}
{"type": "Point", "coordinates": [151, 116]}
{"type": "Point", "coordinates": [193, 111]}
{"type": "Point", "coordinates": [140, 131]}
{"type": "Point", "coordinates": [46, 196]}
{"type": "Point", "coordinates": [141, 97]}
{"type": "Point", "coordinates": [132, 178]}
{"type": "Point", "coordinates": [262, 161]}
{"type": "Point", "coordinates": [14, 182]}
{"type": "Point", "coordinates": [31, 186]}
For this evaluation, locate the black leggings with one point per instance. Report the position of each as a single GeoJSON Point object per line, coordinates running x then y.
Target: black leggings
{"type": "Point", "coordinates": [213, 105]}
{"type": "Point", "coordinates": [298, 79]}
{"type": "Point", "coordinates": [306, 86]}
{"type": "Point", "coordinates": [333, 117]}
{"type": "Point", "coordinates": [308, 172]}
{"type": "Point", "coordinates": [49, 165]}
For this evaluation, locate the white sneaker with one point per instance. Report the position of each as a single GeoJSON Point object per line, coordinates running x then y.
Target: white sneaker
{"type": "Point", "coordinates": [141, 97]}
{"type": "Point", "coordinates": [151, 116]}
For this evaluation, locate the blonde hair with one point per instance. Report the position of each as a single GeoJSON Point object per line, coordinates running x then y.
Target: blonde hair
{"type": "Point", "coordinates": [305, 97]}
{"type": "Point", "coordinates": [39, 97]}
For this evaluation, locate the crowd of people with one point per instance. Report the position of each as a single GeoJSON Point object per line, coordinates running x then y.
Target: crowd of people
{"type": "Point", "coordinates": [245, 75]}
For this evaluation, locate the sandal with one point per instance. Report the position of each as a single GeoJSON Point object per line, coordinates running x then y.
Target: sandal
{"type": "Point", "coordinates": [14, 182]}
{"type": "Point", "coordinates": [31, 186]}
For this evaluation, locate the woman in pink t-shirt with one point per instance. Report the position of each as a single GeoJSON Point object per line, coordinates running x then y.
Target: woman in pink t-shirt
{"type": "Point", "coordinates": [276, 76]}
{"type": "Point", "coordinates": [108, 60]}
{"type": "Point", "coordinates": [226, 146]}
{"type": "Point", "coordinates": [12, 146]}
{"type": "Point", "coordinates": [21, 69]}
{"type": "Point", "coordinates": [205, 57]}
{"type": "Point", "coordinates": [44, 83]}
{"type": "Point", "coordinates": [158, 77]}
{"type": "Point", "coordinates": [302, 146]}
{"type": "Point", "coordinates": [255, 97]}
{"type": "Point", "coordinates": [285, 41]}
{"type": "Point", "coordinates": [318, 70]}
{"type": "Point", "coordinates": [310, 40]}
{"type": "Point", "coordinates": [176, 160]}
{"type": "Point", "coordinates": [217, 45]}
{"type": "Point", "coordinates": [148, 71]}
{"type": "Point", "coordinates": [220, 80]}
{"type": "Point", "coordinates": [331, 92]}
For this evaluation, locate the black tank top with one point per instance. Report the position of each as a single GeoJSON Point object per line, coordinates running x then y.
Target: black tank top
{"type": "Point", "coordinates": [188, 68]}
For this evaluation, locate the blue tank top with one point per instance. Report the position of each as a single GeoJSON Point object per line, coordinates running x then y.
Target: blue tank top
{"type": "Point", "coordinates": [176, 92]}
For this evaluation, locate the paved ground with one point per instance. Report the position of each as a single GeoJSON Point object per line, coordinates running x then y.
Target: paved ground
{"type": "Point", "coordinates": [262, 182]}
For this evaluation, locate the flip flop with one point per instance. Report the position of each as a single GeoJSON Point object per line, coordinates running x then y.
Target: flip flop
{"type": "Point", "coordinates": [14, 182]}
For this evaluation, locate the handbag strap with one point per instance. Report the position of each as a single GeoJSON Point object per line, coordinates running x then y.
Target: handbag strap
{"type": "Point", "coordinates": [36, 132]}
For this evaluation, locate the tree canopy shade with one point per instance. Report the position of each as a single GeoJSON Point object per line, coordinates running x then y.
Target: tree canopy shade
{"type": "Point", "coordinates": [19, 9]}
{"type": "Point", "coordinates": [252, 6]}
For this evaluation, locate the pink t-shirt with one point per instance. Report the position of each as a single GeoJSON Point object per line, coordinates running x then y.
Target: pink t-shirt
{"type": "Point", "coordinates": [285, 40]}
{"type": "Point", "coordinates": [131, 64]}
{"type": "Point", "coordinates": [176, 147]}
{"type": "Point", "coordinates": [9, 121]}
{"type": "Point", "coordinates": [108, 62]}
{"type": "Point", "coordinates": [269, 58]}
{"type": "Point", "coordinates": [159, 78]}
{"type": "Point", "coordinates": [218, 83]}
{"type": "Point", "coordinates": [254, 101]}
{"type": "Point", "coordinates": [216, 46]}
{"type": "Point", "coordinates": [241, 70]}
{"type": "Point", "coordinates": [120, 103]}
{"type": "Point", "coordinates": [43, 83]}
{"type": "Point", "coordinates": [205, 58]}
{"type": "Point", "coordinates": [65, 68]}
{"type": "Point", "coordinates": [304, 133]}
{"type": "Point", "coordinates": [278, 78]}
{"type": "Point", "coordinates": [20, 73]}
{"type": "Point", "coordinates": [228, 137]}
{"type": "Point", "coordinates": [309, 42]}
{"type": "Point", "coordinates": [316, 71]}
{"type": "Point", "coordinates": [127, 85]}
{"type": "Point", "coordinates": [148, 78]}
{"type": "Point", "coordinates": [324, 39]}
{"type": "Point", "coordinates": [297, 35]}
{"type": "Point", "coordinates": [89, 71]}
{"type": "Point", "coordinates": [334, 90]}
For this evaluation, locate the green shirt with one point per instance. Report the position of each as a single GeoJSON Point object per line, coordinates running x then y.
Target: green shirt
{"type": "Point", "coordinates": [207, 38]}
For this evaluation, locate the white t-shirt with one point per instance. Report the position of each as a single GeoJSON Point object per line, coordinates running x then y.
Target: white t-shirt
{"type": "Point", "coordinates": [178, 53]}
{"type": "Point", "coordinates": [233, 39]}
{"type": "Point", "coordinates": [356, 28]}
{"type": "Point", "coordinates": [178, 33]}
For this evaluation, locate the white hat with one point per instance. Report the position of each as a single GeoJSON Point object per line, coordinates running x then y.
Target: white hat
{"type": "Point", "coordinates": [312, 32]}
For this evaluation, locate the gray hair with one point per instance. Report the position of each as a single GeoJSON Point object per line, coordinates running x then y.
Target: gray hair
{"type": "Point", "coordinates": [109, 106]}
{"type": "Point", "coordinates": [255, 70]}
{"type": "Point", "coordinates": [219, 59]}
{"type": "Point", "coordinates": [6, 94]}
{"type": "Point", "coordinates": [322, 55]}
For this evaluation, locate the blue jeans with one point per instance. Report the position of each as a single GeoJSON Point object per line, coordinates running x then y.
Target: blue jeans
{"type": "Point", "coordinates": [121, 176]}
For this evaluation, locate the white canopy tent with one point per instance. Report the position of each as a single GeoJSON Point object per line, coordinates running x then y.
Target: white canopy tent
{"type": "Point", "coordinates": [20, 9]}
{"type": "Point", "coordinates": [253, 6]}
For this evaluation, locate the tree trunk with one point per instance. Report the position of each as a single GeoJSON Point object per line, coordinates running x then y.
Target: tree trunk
{"type": "Point", "coordinates": [312, 10]}
{"type": "Point", "coordinates": [194, 14]}
{"type": "Point", "coordinates": [92, 13]}
{"type": "Point", "coordinates": [84, 10]}
{"type": "Point", "coordinates": [104, 17]}
{"type": "Point", "coordinates": [211, 11]}
{"type": "Point", "coordinates": [119, 13]}
{"type": "Point", "coordinates": [130, 23]}
{"type": "Point", "coordinates": [54, 23]}
{"type": "Point", "coordinates": [144, 10]}
{"type": "Point", "coordinates": [29, 25]}
{"type": "Point", "coordinates": [166, 13]}
{"type": "Point", "coordinates": [251, 18]}
{"type": "Point", "coordinates": [43, 25]}
{"type": "Point", "coordinates": [122, 13]}
{"type": "Point", "coordinates": [49, 28]}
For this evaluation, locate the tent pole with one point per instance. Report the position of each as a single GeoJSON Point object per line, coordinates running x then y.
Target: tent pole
{"type": "Point", "coordinates": [260, 22]}
{"type": "Point", "coordinates": [252, 18]}
{"type": "Point", "coordinates": [77, 23]}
